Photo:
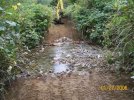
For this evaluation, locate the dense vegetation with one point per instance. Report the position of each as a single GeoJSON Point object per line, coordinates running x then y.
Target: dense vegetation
{"type": "Point", "coordinates": [24, 23]}
{"type": "Point", "coordinates": [108, 23]}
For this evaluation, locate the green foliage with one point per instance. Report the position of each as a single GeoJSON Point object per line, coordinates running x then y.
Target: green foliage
{"type": "Point", "coordinates": [109, 57]}
{"type": "Point", "coordinates": [9, 36]}
{"type": "Point", "coordinates": [53, 2]}
{"type": "Point", "coordinates": [33, 20]}
{"type": "Point", "coordinates": [90, 19]}
{"type": "Point", "coordinates": [109, 23]}
{"type": "Point", "coordinates": [9, 40]}
{"type": "Point", "coordinates": [21, 25]}
{"type": "Point", "coordinates": [72, 10]}
{"type": "Point", "coordinates": [92, 24]}
{"type": "Point", "coordinates": [45, 2]}
{"type": "Point", "coordinates": [120, 34]}
{"type": "Point", "coordinates": [35, 24]}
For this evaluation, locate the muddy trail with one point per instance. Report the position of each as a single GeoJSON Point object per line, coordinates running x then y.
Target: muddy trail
{"type": "Point", "coordinates": [66, 68]}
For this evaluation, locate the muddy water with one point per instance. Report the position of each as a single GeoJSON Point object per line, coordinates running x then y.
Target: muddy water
{"type": "Point", "coordinates": [65, 56]}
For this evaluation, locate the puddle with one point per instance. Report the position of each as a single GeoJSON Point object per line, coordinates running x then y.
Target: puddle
{"type": "Point", "coordinates": [63, 57]}
{"type": "Point", "coordinates": [60, 52]}
{"type": "Point", "coordinates": [59, 68]}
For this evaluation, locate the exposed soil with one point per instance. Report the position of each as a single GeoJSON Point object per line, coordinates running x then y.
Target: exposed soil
{"type": "Point", "coordinates": [63, 30]}
{"type": "Point", "coordinates": [69, 69]}
{"type": "Point", "coordinates": [68, 87]}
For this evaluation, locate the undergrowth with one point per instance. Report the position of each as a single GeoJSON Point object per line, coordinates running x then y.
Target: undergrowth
{"type": "Point", "coordinates": [108, 23]}
{"type": "Point", "coordinates": [22, 25]}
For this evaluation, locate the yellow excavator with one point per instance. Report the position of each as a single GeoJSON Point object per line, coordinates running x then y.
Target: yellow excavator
{"type": "Point", "coordinates": [59, 12]}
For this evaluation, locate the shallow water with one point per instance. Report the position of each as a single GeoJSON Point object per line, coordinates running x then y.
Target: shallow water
{"type": "Point", "coordinates": [64, 56]}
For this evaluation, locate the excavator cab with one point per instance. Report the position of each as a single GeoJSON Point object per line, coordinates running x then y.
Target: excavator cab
{"type": "Point", "coordinates": [59, 12]}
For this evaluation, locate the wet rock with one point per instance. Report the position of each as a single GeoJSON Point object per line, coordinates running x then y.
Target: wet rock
{"type": "Point", "coordinates": [25, 53]}
{"type": "Point", "coordinates": [42, 49]}
{"type": "Point", "coordinates": [94, 65]}
{"type": "Point", "coordinates": [41, 72]}
{"type": "Point", "coordinates": [132, 77]}
{"type": "Point", "coordinates": [68, 55]}
{"type": "Point", "coordinates": [25, 73]}
{"type": "Point", "coordinates": [83, 73]}
{"type": "Point", "coordinates": [32, 64]}
{"type": "Point", "coordinates": [64, 39]}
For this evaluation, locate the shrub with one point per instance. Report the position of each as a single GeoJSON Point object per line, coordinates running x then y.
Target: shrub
{"type": "Point", "coordinates": [24, 26]}
{"type": "Point", "coordinates": [120, 34]}
{"type": "Point", "coordinates": [108, 23]}
{"type": "Point", "coordinates": [9, 40]}
{"type": "Point", "coordinates": [35, 24]}
{"type": "Point", "coordinates": [90, 18]}
{"type": "Point", "coordinates": [34, 21]}
{"type": "Point", "coordinates": [72, 10]}
{"type": "Point", "coordinates": [92, 24]}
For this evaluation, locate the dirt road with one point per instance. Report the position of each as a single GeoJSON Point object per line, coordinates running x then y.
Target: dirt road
{"type": "Point", "coordinates": [69, 69]}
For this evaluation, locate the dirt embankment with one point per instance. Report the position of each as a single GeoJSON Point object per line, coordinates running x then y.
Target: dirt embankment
{"type": "Point", "coordinates": [63, 30]}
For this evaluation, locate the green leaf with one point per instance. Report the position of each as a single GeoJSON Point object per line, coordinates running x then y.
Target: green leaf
{"type": "Point", "coordinates": [11, 23]}
{"type": "Point", "coordinates": [1, 9]}
{"type": "Point", "coordinates": [2, 28]}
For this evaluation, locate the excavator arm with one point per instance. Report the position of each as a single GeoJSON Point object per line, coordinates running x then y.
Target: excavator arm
{"type": "Point", "coordinates": [59, 11]}
{"type": "Point", "coordinates": [59, 8]}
